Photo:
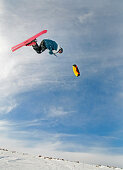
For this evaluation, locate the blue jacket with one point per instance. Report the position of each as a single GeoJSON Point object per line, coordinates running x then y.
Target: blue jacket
{"type": "Point", "coordinates": [51, 45]}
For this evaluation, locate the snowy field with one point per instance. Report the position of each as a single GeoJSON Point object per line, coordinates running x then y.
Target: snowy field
{"type": "Point", "coordinates": [12, 160]}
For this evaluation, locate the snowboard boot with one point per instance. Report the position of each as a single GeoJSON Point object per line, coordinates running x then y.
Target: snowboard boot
{"type": "Point", "coordinates": [32, 43]}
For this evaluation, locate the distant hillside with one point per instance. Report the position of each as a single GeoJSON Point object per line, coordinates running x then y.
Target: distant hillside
{"type": "Point", "coordinates": [12, 160]}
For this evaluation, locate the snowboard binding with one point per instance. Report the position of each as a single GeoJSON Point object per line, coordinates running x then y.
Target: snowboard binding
{"type": "Point", "coordinates": [32, 43]}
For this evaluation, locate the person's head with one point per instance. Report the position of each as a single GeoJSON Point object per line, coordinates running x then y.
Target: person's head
{"type": "Point", "coordinates": [60, 50]}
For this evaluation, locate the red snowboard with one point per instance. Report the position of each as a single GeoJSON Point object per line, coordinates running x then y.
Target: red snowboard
{"type": "Point", "coordinates": [27, 41]}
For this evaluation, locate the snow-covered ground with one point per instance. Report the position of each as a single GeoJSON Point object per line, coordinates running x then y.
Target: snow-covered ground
{"type": "Point", "coordinates": [12, 160]}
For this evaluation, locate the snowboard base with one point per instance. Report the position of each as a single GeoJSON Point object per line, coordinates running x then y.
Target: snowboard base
{"type": "Point", "coordinates": [24, 43]}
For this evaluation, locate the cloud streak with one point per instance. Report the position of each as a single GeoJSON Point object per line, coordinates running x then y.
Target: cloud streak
{"type": "Point", "coordinates": [58, 111]}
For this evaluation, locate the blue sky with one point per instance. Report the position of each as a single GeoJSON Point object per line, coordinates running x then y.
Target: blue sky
{"type": "Point", "coordinates": [44, 108]}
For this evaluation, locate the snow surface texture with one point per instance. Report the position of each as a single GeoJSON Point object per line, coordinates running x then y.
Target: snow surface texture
{"type": "Point", "coordinates": [23, 161]}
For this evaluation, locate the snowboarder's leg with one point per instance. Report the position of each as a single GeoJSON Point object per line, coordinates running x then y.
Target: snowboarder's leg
{"type": "Point", "coordinates": [42, 46]}
{"type": "Point", "coordinates": [37, 48]}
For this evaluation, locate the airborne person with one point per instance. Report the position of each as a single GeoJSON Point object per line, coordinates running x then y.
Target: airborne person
{"type": "Point", "coordinates": [51, 45]}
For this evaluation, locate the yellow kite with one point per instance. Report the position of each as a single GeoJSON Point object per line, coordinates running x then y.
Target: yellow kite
{"type": "Point", "coordinates": [76, 70]}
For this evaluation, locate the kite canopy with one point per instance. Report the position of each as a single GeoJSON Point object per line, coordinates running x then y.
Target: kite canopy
{"type": "Point", "coordinates": [76, 70]}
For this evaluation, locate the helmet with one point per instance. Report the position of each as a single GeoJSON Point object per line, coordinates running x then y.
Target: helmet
{"type": "Point", "coordinates": [60, 50]}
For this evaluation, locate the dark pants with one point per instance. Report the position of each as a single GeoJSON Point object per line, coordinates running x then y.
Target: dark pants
{"type": "Point", "coordinates": [40, 48]}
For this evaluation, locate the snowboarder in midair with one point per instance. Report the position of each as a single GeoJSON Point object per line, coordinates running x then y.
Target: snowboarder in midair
{"type": "Point", "coordinates": [51, 45]}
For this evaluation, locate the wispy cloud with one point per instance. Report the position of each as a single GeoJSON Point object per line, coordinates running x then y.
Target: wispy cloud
{"type": "Point", "coordinates": [85, 17]}
{"type": "Point", "coordinates": [7, 108]}
{"type": "Point", "coordinates": [57, 111]}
